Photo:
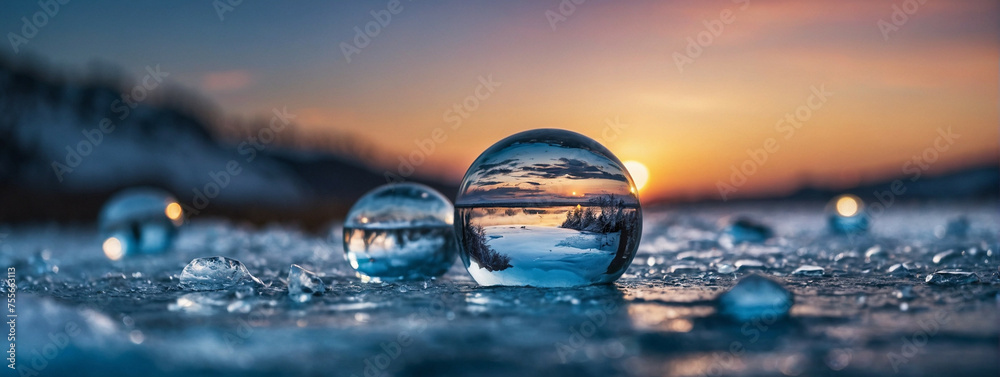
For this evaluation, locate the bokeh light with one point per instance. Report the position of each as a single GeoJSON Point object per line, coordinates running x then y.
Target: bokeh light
{"type": "Point", "coordinates": [174, 211]}
{"type": "Point", "coordinates": [848, 205]}
{"type": "Point", "coordinates": [113, 248]}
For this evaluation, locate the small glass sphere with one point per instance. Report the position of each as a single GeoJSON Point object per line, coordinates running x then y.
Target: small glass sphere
{"type": "Point", "coordinates": [400, 231]}
{"type": "Point", "coordinates": [847, 215]}
{"type": "Point", "coordinates": [547, 208]}
{"type": "Point", "coordinates": [139, 221]}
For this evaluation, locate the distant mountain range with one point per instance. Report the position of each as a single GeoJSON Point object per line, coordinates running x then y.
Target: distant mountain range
{"type": "Point", "coordinates": [66, 147]}
{"type": "Point", "coordinates": [974, 183]}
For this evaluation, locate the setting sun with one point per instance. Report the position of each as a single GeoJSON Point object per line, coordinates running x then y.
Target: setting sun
{"type": "Point", "coordinates": [639, 173]}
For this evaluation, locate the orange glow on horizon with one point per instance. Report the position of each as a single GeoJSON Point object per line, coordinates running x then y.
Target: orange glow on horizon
{"type": "Point", "coordinates": [690, 126]}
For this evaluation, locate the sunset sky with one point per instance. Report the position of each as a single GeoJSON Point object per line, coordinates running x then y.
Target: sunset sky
{"type": "Point", "coordinates": [544, 167]}
{"type": "Point", "coordinates": [889, 88]}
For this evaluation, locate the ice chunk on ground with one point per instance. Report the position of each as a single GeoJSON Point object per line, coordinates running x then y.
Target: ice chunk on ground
{"type": "Point", "coordinates": [952, 277]}
{"type": "Point", "coordinates": [898, 269]}
{"type": "Point", "coordinates": [876, 253]}
{"type": "Point", "coordinates": [215, 273]}
{"type": "Point", "coordinates": [744, 230]}
{"type": "Point", "coordinates": [699, 255]}
{"type": "Point", "coordinates": [749, 264]}
{"type": "Point", "coordinates": [723, 268]}
{"type": "Point", "coordinates": [687, 268]}
{"type": "Point", "coordinates": [945, 256]}
{"type": "Point", "coordinates": [755, 297]}
{"type": "Point", "coordinates": [846, 256]}
{"type": "Point", "coordinates": [808, 270]}
{"type": "Point", "coordinates": [303, 284]}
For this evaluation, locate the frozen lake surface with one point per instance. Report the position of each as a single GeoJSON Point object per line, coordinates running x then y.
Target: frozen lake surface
{"type": "Point", "coordinates": [558, 256]}
{"type": "Point", "coordinates": [869, 312]}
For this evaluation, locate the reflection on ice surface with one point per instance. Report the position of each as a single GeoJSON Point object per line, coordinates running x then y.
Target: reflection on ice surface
{"type": "Point", "coordinates": [408, 253]}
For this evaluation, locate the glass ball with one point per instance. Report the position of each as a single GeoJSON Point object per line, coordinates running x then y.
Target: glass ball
{"type": "Point", "coordinates": [139, 221]}
{"type": "Point", "coordinates": [847, 215]}
{"type": "Point", "coordinates": [547, 208]}
{"type": "Point", "coordinates": [402, 231]}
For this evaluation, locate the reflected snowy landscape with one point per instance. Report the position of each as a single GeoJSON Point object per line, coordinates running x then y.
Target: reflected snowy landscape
{"type": "Point", "coordinates": [558, 263]}
{"type": "Point", "coordinates": [400, 232]}
{"type": "Point", "coordinates": [549, 246]}
{"type": "Point", "coordinates": [406, 252]}
{"type": "Point", "coordinates": [866, 308]}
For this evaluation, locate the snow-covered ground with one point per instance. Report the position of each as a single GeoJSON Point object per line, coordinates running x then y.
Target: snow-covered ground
{"type": "Point", "coordinates": [554, 256]}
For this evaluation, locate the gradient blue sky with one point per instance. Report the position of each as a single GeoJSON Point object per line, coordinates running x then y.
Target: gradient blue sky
{"type": "Point", "coordinates": [608, 60]}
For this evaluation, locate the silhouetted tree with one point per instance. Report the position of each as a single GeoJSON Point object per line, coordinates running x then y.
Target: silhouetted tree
{"type": "Point", "coordinates": [474, 238]}
{"type": "Point", "coordinates": [612, 217]}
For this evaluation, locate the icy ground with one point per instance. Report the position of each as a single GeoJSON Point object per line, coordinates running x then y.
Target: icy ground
{"type": "Point", "coordinates": [80, 314]}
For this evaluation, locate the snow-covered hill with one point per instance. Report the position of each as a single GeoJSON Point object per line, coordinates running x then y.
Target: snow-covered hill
{"type": "Point", "coordinates": [65, 146]}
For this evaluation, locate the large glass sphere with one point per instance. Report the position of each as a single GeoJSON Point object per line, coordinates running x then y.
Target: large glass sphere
{"type": "Point", "coordinates": [547, 208]}
{"type": "Point", "coordinates": [400, 231]}
{"type": "Point", "coordinates": [139, 221]}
